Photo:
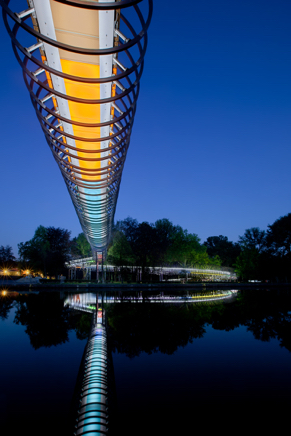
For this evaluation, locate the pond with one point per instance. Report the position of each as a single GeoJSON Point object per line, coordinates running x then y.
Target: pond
{"type": "Point", "coordinates": [178, 358]}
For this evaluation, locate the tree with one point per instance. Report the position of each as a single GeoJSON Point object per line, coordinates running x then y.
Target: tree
{"type": "Point", "coordinates": [6, 254]}
{"type": "Point", "coordinates": [165, 235]}
{"type": "Point", "coordinates": [145, 245]}
{"type": "Point", "coordinates": [247, 263]}
{"type": "Point", "coordinates": [163, 243]}
{"type": "Point", "coordinates": [185, 249]}
{"type": "Point", "coordinates": [80, 247]}
{"type": "Point", "coordinates": [253, 238]}
{"type": "Point", "coordinates": [120, 253]}
{"type": "Point", "coordinates": [129, 227]}
{"type": "Point", "coordinates": [47, 251]}
{"type": "Point", "coordinates": [222, 247]}
{"type": "Point", "coordinates": [279, 236]}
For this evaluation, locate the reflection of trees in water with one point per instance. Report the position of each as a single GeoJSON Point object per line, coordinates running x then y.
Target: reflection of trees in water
{"type": "Point", "coordinates": [269, 316]}
{"type": "Point", "coordinates": [148, 327]}
{"type": "Point", "coordinates": [83, 326]}
{"type": "Point", "coordinates": [6, 305]}
{"type": "Point", "coordinates": [47, 320]}
{"type": "Point", "coordinates": [134, 328]}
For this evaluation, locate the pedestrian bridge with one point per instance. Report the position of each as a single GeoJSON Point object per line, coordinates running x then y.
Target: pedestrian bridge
{"type": "Point", "coordinates": [82, 62]}
{"type": "Point", "coordinates": [87, 267]}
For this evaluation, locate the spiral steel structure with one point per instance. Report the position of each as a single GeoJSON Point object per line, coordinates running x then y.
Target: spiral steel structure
{"type": "Point", "coordinates": [82, 62]}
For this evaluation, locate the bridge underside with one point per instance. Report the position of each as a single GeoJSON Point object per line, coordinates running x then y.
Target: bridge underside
{"type": "Point", "coordinates": [82, 63]}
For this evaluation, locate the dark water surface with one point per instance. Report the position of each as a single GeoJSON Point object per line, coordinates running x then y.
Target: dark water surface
{"type": "Point", "coordinates": [177, 365]}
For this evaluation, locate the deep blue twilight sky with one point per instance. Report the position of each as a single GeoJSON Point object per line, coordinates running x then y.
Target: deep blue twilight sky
{"type": "Point", "coordinates": [210, 148]}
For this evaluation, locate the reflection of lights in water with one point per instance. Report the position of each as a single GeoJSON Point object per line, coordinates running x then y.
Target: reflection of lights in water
{"type": "Point", "coordinates": [86, 302]}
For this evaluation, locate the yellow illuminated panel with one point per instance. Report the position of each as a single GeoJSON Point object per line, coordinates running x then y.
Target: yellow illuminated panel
{"type": "Point", "coordinates": [85, 113]}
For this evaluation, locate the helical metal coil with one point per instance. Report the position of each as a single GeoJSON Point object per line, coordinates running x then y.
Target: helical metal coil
{"type": "Point", "coordinates": [82, 62]}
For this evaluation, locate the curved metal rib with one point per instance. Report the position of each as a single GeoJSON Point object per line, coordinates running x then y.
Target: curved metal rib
{"type": "Point", "coordinates": [82, 63]}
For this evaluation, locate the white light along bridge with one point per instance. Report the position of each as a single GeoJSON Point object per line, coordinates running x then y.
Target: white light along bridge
{"type": "Point", "coordinates": [87, 302]}
{"type": "Point", "coordinates": [88, 265]}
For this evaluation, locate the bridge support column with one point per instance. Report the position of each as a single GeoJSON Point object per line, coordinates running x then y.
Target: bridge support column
{"type": "Point", "coordinates": [102, 267]}
{"type": "Point", "coordinates": [73, 273]}
{"type": "Point", "coordinates": [97, 268]}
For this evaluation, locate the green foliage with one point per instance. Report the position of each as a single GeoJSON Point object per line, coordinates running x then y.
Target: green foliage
{"type": "Point", "coordinates": [246, 266]}
{"type": "Point", "coordinates": [158, 244]}
{"type": "Point", "coordinates": [120, 253]}
{"type": "Point", "coordinates": [80, 247]}
{"type": "Point", "coordinates": [47, 251]}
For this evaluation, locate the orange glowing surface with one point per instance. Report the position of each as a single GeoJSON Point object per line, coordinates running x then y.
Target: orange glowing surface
{"type": "Point", "coordinates": [85, 113]}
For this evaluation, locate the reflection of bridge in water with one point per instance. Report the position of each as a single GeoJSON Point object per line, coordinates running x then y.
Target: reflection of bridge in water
{"type": "Point", "coordinates": [94, 391]}
{"type": "Point", "coordinates": [94, 402]}
{"type": "Point", "coordinates": [87, 302]}
{"type": "Point", "coordinates": [92, 412]}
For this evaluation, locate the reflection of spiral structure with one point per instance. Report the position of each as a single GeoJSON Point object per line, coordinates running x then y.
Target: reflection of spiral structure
{"type": "Point", "coordinates": [93, 406]}
{"type": "Point", "coordinates": [82, 62]}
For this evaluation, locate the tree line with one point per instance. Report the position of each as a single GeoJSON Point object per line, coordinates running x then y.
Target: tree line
{"type": "Point", "coordinates": [258, 254]}
{"type": "Point", "coordinates": [158, 244]}
{"type": "Point", "coordinates": [46, 252]}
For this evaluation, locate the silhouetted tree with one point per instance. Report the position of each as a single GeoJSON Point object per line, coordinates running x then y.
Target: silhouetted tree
{"type": "Point", "coordinates": [47, 251]}
{"type": "Point", "coordinates": [279, 236]}
{"type": "Point", "coordinates": [165, 233]}
{"type": "Point", "coordinates": [129, 227]}
{"type": "Point", "coordinates": [222, 247]}
{"type": "Point", "coordinates": [145, 246]}
{"type": "Point", "coordinates": [253, 238]}
{"type": "Point", "coordinates": [6, 254]}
